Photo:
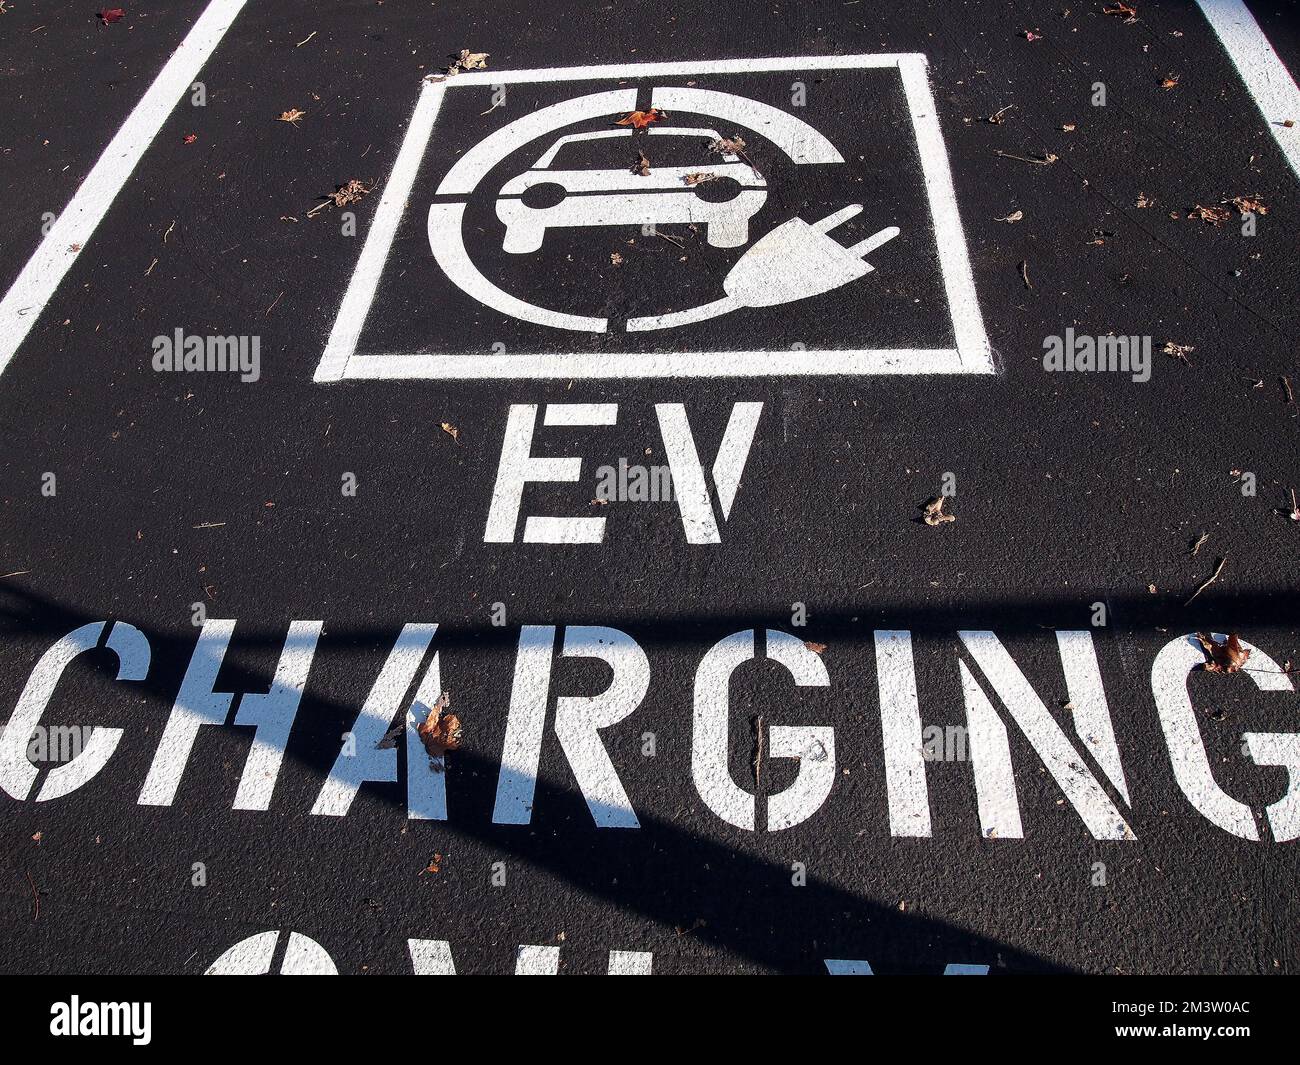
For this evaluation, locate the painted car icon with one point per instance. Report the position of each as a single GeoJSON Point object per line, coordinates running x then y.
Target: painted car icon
{"type": "Point", "coordinates": [542, 198]}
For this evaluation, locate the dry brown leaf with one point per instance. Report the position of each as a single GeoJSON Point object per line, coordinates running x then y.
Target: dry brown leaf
{"type": "Point", "coordinates": [815, 648]}
{"type": "Point", "coordinates": [728, 145]}
{"type": "Point", "coordinates": [934, 512]}
{"type": "Point", "coordinates": [1212, 215]}
{"type": "Point", "coordinates": [1125, 11]}
{"type": "Point", "coordinates": [1014, 216]}
{"type": "Point", "coordinates": [1144, 200]}
{"type": "Point", "coordinates": [699, 179]}
{"type": "Point", "coordinates": [1226, 657]}
{"type": "Point", "coordinates": [615, 258]}
{"type": "Point", "coordinates": [440, 732]}
{"type": "Point", "coordinates": [1177, 351]}
{"type": "Point", "coordinates": [1246, 204]}
{"type": "Point", "coordinates": [293, 116]}
{"type": "Point", "coordinates": [342, 196]}
{"type": "Point", "coordinates": [641, 119]}
{"type": "Point", "coordinates": [1170, 81]}
{"type": "Point", "coordinates": [435, 863]}
{"type": "Point", "coordinates": [450, 430]}
{"type": "Point", "coordinates": [641, 168]}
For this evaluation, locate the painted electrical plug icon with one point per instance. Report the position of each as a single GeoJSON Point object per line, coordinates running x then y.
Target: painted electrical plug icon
{"type": "Point", "coordinates": [800, 259]}
{"type": "Point", "coordinates": [796, 260]}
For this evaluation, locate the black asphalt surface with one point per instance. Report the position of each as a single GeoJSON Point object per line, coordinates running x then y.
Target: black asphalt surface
{"type": "Point", "coordinates": [1073, 488]}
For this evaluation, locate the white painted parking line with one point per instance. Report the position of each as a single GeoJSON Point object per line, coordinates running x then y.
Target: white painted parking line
{"type": "Point", "coordinates": [72, 230]}
{"type": "Point", "coordinates": [1265, 75]}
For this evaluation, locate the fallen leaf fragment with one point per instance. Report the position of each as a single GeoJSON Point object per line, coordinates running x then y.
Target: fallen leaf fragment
{"type": "Point", "coordinates": [1177, 351]}
{"type": "Point", "coordinates": [450, 430]}
{"type": "Point", "coordinates": [1211, 215]}
{"type": "Point", "coordinates": [1170, 81]}
{"type": "Point", "coordinates": [1125, 11]}
{"type": "Point", "coordinates": [1248, 204]}
{"type": "Point", "coordinates": [440, 732]}
{"type": "Point", "coordinates": [641, 168]}
{"type": "Point", "coordinates": [615, 258]}
{"type": "Point", "coordinates": [1030, 35]}
{"type": "Point", "coordinates": [435, 863]}
{"type": "Point", "coordinates": [190, 138]}
{"type": "Point", "coordinates": [1014, 216]}
{"type": "Point", "coordinates": [466, 60]}
{"type": "Point", "coordinates": [1046, 159]}
{"type": "Point", "coordinates": [293, 116]}
{"type": "Point", "coordinates": [815, 648]}
{"type": "Point", "coordinates": [699, 179]}
{"type": "Point", "coordinates": [934, 512]}
{"type": "Point", "coordinates": [111, 14]}
{"type": "Point", "coordinates": [1144, 201]}
{"type": "Point", "coordinates": [1226, 657]}
{"type": "Point", "coordinates": [641, 119]}
{"type": "Point", "coordinates": [342, 196]}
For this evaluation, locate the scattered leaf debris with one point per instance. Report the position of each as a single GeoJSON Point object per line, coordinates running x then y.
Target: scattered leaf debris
{"type": "Point", "coordinates": [110, 15]}
{"type": "Point", "coordinates": [1177, 351]}
{"type": "Point", "coordinates": [1030, 35]}
{"type": "Point", "coordinates": [1024, 274]}
{"type": "Point", "coordinates": [293, 116]}
{"type": "Point", "coordinates": [641, 168]}
{"type": "Point", "coordinates": [641, 119]}
{"type": "Point", "coordinates": [1144, 200]}
{"type": "Point", "coordinates": [1125, 11]}
{"type": "Point", "coordinates": [1226, 657]}
{"type": "Point", "coordinates": [435, 863]}
{"type": "Point", "coordinates": [815, 648]}
{"type": "Point", "coordinates": [190, 138]}
{"type": "Point", "coordinates": [996, 118]}
{"type": "Point", "coordinates": [615, 258]}
{"type": "Point", "coordinates": [1170, 81]}
{"type": "Point", "coordinates": [1199, 544]}
{"type": "Point", "coordinates": [934, 512]}
{"type": "Point", "coordinates": [450, 430]}
{"type": "Point", "coordinates": [1014, 216]}
{"type": "Point", "coordinates": [699, 179]}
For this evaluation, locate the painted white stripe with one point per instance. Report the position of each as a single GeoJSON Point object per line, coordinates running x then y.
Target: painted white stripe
{"type": "Point", "coordinates": [990, 755]}
{"type": "Point", "coordinates": [525, 722]}
{"type": "Point", "coordinates": [900, 723]}
{"type": "Point", "coordinates": [72, 231]}
{"type": "Point", "coordinates": [537, 961]}
{"type": "Point", "coordinates": [950, 238]}
{"type": "Point", "coordinates": [669, 364]}
{"type": "Point", "coordinates": [1092, 723]}
{"type": "Point", "coordinates": [631, 962]}
{"type": "Point", "coordinates": [580, 414]}
{"type": "Point", "coordinates": [1094, 806]}
{"type": "Point", "coordinates": [365, 279]}
{"type": "Point", "coordinates": [1265, 76]}
{"type": "Point", "coordinates": [717, 66]}
{"type": "Point", "coordinates": [733, 453]}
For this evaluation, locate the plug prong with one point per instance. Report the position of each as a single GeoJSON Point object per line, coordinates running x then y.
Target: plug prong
{"type": "Point", "coordinates": [866, 247]}
{"type": "Point", "coordinates": [832, 220]}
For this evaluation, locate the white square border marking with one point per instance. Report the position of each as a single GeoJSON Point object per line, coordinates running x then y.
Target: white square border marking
{"type": "Point", "coordinates": [971, 355]}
